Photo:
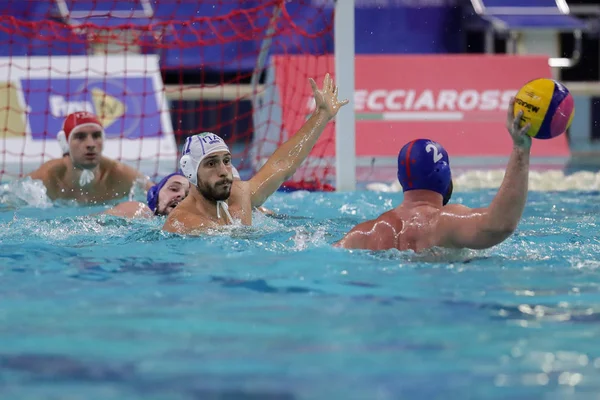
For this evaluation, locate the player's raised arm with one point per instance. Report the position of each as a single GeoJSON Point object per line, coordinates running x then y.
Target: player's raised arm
{"type": "Point", "coordinates": [284, 162]}
{"type": "Point", "coordinates": [486, 227]}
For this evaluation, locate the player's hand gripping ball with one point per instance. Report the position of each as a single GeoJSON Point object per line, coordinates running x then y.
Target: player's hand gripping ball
{"type": "Point", "coordinates": [547, 106]}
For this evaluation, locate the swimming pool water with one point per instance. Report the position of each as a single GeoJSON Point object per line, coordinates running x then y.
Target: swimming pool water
{"type": "Point", "coordinates": [96, 307]}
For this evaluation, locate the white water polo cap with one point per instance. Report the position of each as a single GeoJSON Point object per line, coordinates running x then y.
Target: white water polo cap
{"type": "Point", "coordinates": [196, 149]}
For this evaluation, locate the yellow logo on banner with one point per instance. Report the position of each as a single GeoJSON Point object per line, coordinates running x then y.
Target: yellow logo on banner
{"type": "Point", "coordinates": [12, 113]}
{"type": "Point", "coordinates": [108, 108]}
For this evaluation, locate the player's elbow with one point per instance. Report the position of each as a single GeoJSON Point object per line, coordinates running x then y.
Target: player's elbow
{"type": "Point", "coordinates": [493, 237]}
{"type": "Point", "coordinates": [497, 231]}
{"type": "Point", "coordinates": [505, 229]}
{"type": "Point", "coordinates": [509, 228]}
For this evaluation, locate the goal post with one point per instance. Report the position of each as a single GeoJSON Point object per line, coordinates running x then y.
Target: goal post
{"type": "Point", "coordinates": [345, 128]}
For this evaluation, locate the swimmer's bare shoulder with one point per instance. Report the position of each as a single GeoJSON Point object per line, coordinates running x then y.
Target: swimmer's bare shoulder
{"type": "Point", "coordinates": [185, 220]}
{"type": "Point", "coordinates": [51, 173]}
{"type": "Point", "coordinates": [121, 176]}
{"type": "Point", "coordinates": [376, 234]}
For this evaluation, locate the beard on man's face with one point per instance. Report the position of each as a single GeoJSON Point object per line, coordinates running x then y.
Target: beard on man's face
{"type": "Point", "coordinates": [220, 191]}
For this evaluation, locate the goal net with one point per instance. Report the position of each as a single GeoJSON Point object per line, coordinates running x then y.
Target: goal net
{"type": "Point", "coordinates": [158, 71]}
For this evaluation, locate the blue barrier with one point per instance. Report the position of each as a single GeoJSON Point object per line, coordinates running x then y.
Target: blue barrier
{"type": "Point", "coordinates": [382, 27]}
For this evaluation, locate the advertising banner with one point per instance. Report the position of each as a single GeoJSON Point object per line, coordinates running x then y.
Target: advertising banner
{"type": "Point", "coordinates": [125, 91]}
{"type": "Point", "coordinates": [460, 101]}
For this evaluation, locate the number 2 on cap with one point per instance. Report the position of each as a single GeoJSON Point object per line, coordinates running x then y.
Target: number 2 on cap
{"type": "Point", "coordinates": [436, 156]}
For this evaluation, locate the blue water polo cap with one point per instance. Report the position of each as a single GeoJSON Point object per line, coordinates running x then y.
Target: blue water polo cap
{"type": "Point", "coordinates": [424, 164]}
{"type": "Point", "coordinates": [152, 195]}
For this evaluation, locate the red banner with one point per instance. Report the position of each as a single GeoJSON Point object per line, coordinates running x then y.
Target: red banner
{"type": "Point", "coordinates": [459, 101]}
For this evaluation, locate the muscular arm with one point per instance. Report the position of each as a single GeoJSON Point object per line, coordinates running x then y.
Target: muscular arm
{"type": "Point", "coordinates": [487, 227]}
{"type": "Point", "coordinates": [284, 162]}
{"type": "Point", "coordinates": [482, 228]}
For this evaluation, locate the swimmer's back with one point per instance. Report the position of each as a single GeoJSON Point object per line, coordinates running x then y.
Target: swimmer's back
{"type": "Point", "coordinates": [420, 227]}
{"type": "Point", "coordinates": [402, 228]}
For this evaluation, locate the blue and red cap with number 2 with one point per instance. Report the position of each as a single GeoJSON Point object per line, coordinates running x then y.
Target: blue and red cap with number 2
{"type": "Point", "coordinates": [424, 164]}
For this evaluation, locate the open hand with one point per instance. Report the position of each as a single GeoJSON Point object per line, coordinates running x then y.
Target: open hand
{"type": "Point", "coordinates": [326, 99]}
{"type": "Point", "coordinates": [516, 128]}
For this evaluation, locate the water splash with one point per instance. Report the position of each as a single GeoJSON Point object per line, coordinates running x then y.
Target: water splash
{"type": "Point", "coordinates": [24, 192]}
{"type": "Point", "coordinates": [138, 190]}
{"type": "Point", "coordinates": [303, 238]}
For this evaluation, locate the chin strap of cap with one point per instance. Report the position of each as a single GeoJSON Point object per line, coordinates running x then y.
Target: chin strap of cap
{"type": "Point", "coordinates": [225, 209]}
{"type": "Point", "coordinates": [87, 176]}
